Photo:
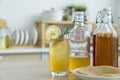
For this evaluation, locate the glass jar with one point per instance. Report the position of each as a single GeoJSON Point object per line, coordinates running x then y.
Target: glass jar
{"type": "Point", "coordinates": [2, 40]}
{"type": "Point", "coordinates": [5, 38]}
{"type": "Point", "coordinates": [79, 43]}
{"type": "Point", "coordinates": [106, 44]}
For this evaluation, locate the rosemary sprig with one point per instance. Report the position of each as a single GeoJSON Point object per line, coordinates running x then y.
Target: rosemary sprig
{"type": "Point", "coordinates": [65, 30]}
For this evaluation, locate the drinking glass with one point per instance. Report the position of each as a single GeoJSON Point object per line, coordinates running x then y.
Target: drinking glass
{"type": "Point", "coordinates": [59, 57]}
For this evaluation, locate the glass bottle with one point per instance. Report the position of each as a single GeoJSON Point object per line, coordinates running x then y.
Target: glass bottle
{"type": "Point", "coordinates": [79, 43]}
{"type": "Point", "coordinates": [98, 25]}
{"type": "Point", "coordinates": [5, 38]}
{"type": "Point", "coordinates": [106, 45]}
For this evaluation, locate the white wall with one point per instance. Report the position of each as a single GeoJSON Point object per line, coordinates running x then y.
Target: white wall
{"type": "Point", "coordinates": [24, 13]}
{"type": "Point", "coordinates": [117, 11]}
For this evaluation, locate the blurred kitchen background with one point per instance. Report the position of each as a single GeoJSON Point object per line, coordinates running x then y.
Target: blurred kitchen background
{"type": "Point", "coordinates": [24, 19]}
{"type": "Point", "coordinates": [24, 13]}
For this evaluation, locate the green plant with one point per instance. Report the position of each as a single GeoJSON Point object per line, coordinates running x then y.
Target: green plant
{"type": "Point", "coordinates": [80, 8]}
{"type": "Point", "coordinates": [65, 30]}
{"type": "Point", "coordinates": [77, 7]}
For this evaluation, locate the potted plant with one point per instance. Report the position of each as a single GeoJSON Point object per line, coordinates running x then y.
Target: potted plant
{"type": "Point", "coordinates": [77, 7]}
{"type": "Point", "coordinates": [69, 9]}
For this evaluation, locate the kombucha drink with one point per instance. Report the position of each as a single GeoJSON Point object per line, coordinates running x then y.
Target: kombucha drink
{"type": "Point", "coordinates": [77, 62]}
{"type": "Point", "coordinates": [106, 50]}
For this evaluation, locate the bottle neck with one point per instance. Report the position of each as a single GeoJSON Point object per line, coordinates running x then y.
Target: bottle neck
{"type": "Point", "coordinates": [78, 20]}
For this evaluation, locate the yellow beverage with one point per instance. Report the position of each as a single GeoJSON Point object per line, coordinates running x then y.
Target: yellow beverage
{"type": "Point", "coordinates": [8, 41]}
{"type": "Point", "coordinates": [77, 62]}
{"type": "Point", "coordinates": [2, 43]}
{"type": "Point", "coordinates": [59, 50]}
{"type": "Point", "coordinates": [59, 56]}
{"type": "Point", "coordinates": [5, 42]}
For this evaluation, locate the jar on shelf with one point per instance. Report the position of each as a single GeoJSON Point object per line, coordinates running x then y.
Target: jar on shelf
{"type": "Point", "coordinates": [5, 38]}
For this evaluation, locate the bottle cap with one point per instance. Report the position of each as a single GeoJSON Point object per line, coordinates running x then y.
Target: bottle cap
{"type": "Point", "coordinates": [107, 13]}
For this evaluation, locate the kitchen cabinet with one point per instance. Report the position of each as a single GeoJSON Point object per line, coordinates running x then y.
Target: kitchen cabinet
{"type": "Point", "coordinates": [23, 54]}
{"type": "Point", "coordinates": [19, 57]}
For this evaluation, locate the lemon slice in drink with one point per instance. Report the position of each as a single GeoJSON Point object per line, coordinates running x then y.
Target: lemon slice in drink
{"type": "Point", "coordinates": [52, 32]}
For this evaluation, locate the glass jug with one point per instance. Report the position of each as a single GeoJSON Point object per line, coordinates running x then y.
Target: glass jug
{"type": "Point", "coordinates": [79, 43]}
{"type": "Point", "coordinates": [106, 44]}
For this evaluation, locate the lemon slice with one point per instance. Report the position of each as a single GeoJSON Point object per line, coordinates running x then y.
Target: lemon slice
{"type": "Point", "coordinates": [52, 32]}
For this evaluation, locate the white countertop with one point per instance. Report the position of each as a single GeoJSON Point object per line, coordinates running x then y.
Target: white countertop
{"type": "Point", "coordinates": [29, 50]}
{"type": "Point", "coordinates": [24, 50]}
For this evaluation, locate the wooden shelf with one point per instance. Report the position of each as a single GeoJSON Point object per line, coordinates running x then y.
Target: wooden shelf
{"type": "Point", "coordinates": [53, 22]}
{"type": "Point", "coordinates": [41, 27]}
